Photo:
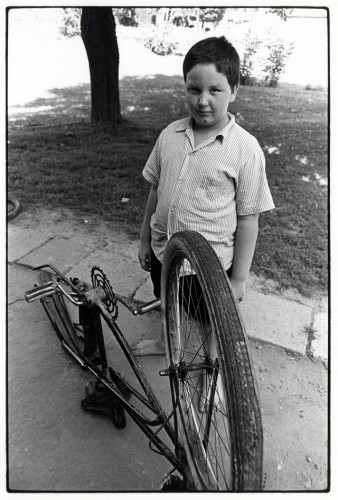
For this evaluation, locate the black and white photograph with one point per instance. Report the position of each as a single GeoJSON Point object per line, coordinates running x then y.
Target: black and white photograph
{"type": "Point", "coordinates": [168, 281]}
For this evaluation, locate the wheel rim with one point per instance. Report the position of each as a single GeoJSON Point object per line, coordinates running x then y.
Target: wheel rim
{"type": "Point", "coordinates": [193, 353]}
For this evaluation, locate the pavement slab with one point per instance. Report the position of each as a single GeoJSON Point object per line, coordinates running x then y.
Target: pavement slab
{"type": "Point", "coordinates": [62, 253]}
{"type": "Point", "coordinates": [22, 243]}
{"type": "Point", "coordinates": [267, 318]}
{"type": "Point", "coordinates": [74, 243]}
{"type": "Point", "coordinates": [276, 320]}
{"type": "Point", "coordinates": [123, 273]}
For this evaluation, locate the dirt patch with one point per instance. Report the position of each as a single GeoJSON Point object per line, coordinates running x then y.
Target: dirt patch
{"type": "Point", "coordinates": [293, 393]}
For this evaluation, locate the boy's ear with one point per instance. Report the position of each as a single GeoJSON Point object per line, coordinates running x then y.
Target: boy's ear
{"type": "Point", "coordinates": [234, 94]}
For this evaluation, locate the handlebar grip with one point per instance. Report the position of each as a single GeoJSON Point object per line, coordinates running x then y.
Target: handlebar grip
{"type": "Point", "coordinates": [40, 291]}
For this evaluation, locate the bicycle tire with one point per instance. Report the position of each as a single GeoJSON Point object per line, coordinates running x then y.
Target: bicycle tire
{"type": "Point", "coordinates": [14, 207]}
{"type": "Point", "coordinates": [230, 458]}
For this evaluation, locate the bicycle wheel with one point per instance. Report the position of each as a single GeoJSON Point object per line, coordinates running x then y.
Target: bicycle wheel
{"type": "Point", "coordinates": [218, 408]}
{"type": "Point", "coordinates": [13, 207]}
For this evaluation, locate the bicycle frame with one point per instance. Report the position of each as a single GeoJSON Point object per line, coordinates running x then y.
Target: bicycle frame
{"type": "Point", "coordinates": [91, 298]}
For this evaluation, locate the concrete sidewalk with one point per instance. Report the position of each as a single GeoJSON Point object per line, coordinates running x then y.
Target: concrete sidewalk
{"type": "Point", "coordinates": [288, 348]}
{"type": "Point", "coordinates": [74, 244]}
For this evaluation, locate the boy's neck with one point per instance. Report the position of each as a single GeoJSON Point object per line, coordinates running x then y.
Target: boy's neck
{"type": "Point", "coordinates": [202, 134]}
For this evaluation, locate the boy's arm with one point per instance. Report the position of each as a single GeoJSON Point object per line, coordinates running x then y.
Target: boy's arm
{"type": "Point", "coordinates": [144, 250]}
{"type": "Point", "coordinates": [245, 243]}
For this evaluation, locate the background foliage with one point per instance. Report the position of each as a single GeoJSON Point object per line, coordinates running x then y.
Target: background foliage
{"type": "Point", "coordinates": [264, 58]}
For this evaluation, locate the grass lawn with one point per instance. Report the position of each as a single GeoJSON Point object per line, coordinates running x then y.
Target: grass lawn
{"type": "Point", "coordinates": [56, 158]}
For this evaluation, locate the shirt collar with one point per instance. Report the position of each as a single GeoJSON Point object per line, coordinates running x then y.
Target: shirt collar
{"type": "Point", "coordinates": [187, 123]}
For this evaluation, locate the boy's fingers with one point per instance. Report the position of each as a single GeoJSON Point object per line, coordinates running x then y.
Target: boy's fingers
{"type": "Point", "coordinates": [238, 288]}
{"type": "Point", "coordinates": [145, 263]}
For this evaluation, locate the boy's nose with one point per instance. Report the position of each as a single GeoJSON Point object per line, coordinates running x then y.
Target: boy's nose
{"type": "Point", "coordinates": [202, 101]}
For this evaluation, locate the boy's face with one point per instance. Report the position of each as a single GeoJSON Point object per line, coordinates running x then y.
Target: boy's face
{"type": "Point", "coordinates": [208, 96]}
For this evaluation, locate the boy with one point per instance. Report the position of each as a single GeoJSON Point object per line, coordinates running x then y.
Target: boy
{"type": "Point", "coordinates": [206, 173]}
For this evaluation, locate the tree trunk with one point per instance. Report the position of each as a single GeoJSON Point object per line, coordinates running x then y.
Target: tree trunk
{"type": "Point", "coordinates": [99, 38]}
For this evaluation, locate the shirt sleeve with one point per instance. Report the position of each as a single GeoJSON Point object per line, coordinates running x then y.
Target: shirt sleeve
{"type": "Point", "coordinates": [253, 194]}
{"type": "Point", "coordinates": [152, 169]}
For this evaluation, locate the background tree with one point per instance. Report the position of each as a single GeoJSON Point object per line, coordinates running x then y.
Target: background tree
{"type": "Point", "coordinates": [211, 15]}
{"type": "Point", "coordinates": [126, 16]}
{"type": "Point", "coordinates": [281, 13]}
{"type": "Point", "coordinates": [98, 31]}
{"type": "Point", "coordinates": [71, 19]}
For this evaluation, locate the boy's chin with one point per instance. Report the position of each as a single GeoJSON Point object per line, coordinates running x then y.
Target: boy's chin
{"type": "Point", "coordinates": [209, 122]}
{"type": "Point", "coordinates": [202, 122]}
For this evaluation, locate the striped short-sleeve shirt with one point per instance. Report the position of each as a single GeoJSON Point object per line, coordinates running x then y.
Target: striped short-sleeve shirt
{"type": "Point", "coordinates": [204, 188]}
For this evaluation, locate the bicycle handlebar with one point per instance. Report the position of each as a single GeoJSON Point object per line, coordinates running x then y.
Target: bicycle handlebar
{"type": "Point", "coordinates": [81, 296]}
{"type": "Point", "coordinates": [48, 289]}
{"type": "Point", "coordinates": [40, 291]}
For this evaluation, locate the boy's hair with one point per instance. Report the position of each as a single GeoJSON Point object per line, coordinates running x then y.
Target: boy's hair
{"type": "Point", "coordinates": [218, 51]}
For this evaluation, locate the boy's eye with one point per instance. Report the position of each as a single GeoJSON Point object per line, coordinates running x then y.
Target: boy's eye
{"type": "Point", "coordinates": [193, 90]}
{"type": "Point", "coordinates": [215, 91]}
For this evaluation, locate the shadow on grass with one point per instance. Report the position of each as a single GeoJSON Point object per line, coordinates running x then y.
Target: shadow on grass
{"type": "Point", "coordinates": [64, 105]}
{"type": "Point", "coordinates": [152, 101]}
{"type": "Point", "coordinates": [57, 158]}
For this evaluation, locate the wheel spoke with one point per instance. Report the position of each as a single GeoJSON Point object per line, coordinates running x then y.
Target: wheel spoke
{"type": "Point", "coordinates": [218, 412]}
{"type": "Point", "coordinates": [191, 340]}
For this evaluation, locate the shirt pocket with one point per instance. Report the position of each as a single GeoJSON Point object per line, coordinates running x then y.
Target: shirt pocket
{"type": "Point", "coordinates": [209, 189]}
{"type": "Point", "coordinates": [219, 187]}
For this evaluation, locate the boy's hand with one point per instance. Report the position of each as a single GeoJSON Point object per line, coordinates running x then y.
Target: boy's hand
{"type": "Point", "coordinates": [238, 288]}
{"type": "Point", "coordinates": [144, 256]}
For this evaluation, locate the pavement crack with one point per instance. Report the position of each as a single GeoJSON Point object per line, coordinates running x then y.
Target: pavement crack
{"type": "Point", "coordinates": [23, 266]}
{"type": "Point", "coordinates": [310, 332]}
{"type": "Point", "coordinates": [141, 283]}
{"type": "Point", "coordinates": [15, 301]}
{"type": "Point", "coordinates": [35, 249]}
{"type": "Point", "coordinates": [68, 270]}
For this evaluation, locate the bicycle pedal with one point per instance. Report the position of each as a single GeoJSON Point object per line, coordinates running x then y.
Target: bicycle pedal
{"type": "Point", "coordinates": [90, 390]}
{"type": "Point", "coordinates": [95, 359]}
{"type": "Point", "coordinates": [103, 403]}
{"type": "Point", "coordinates": [173, 483]}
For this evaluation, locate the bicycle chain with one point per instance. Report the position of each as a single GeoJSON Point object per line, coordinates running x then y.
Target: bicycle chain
{"type": "Point", "coordinates": [100, 279]}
